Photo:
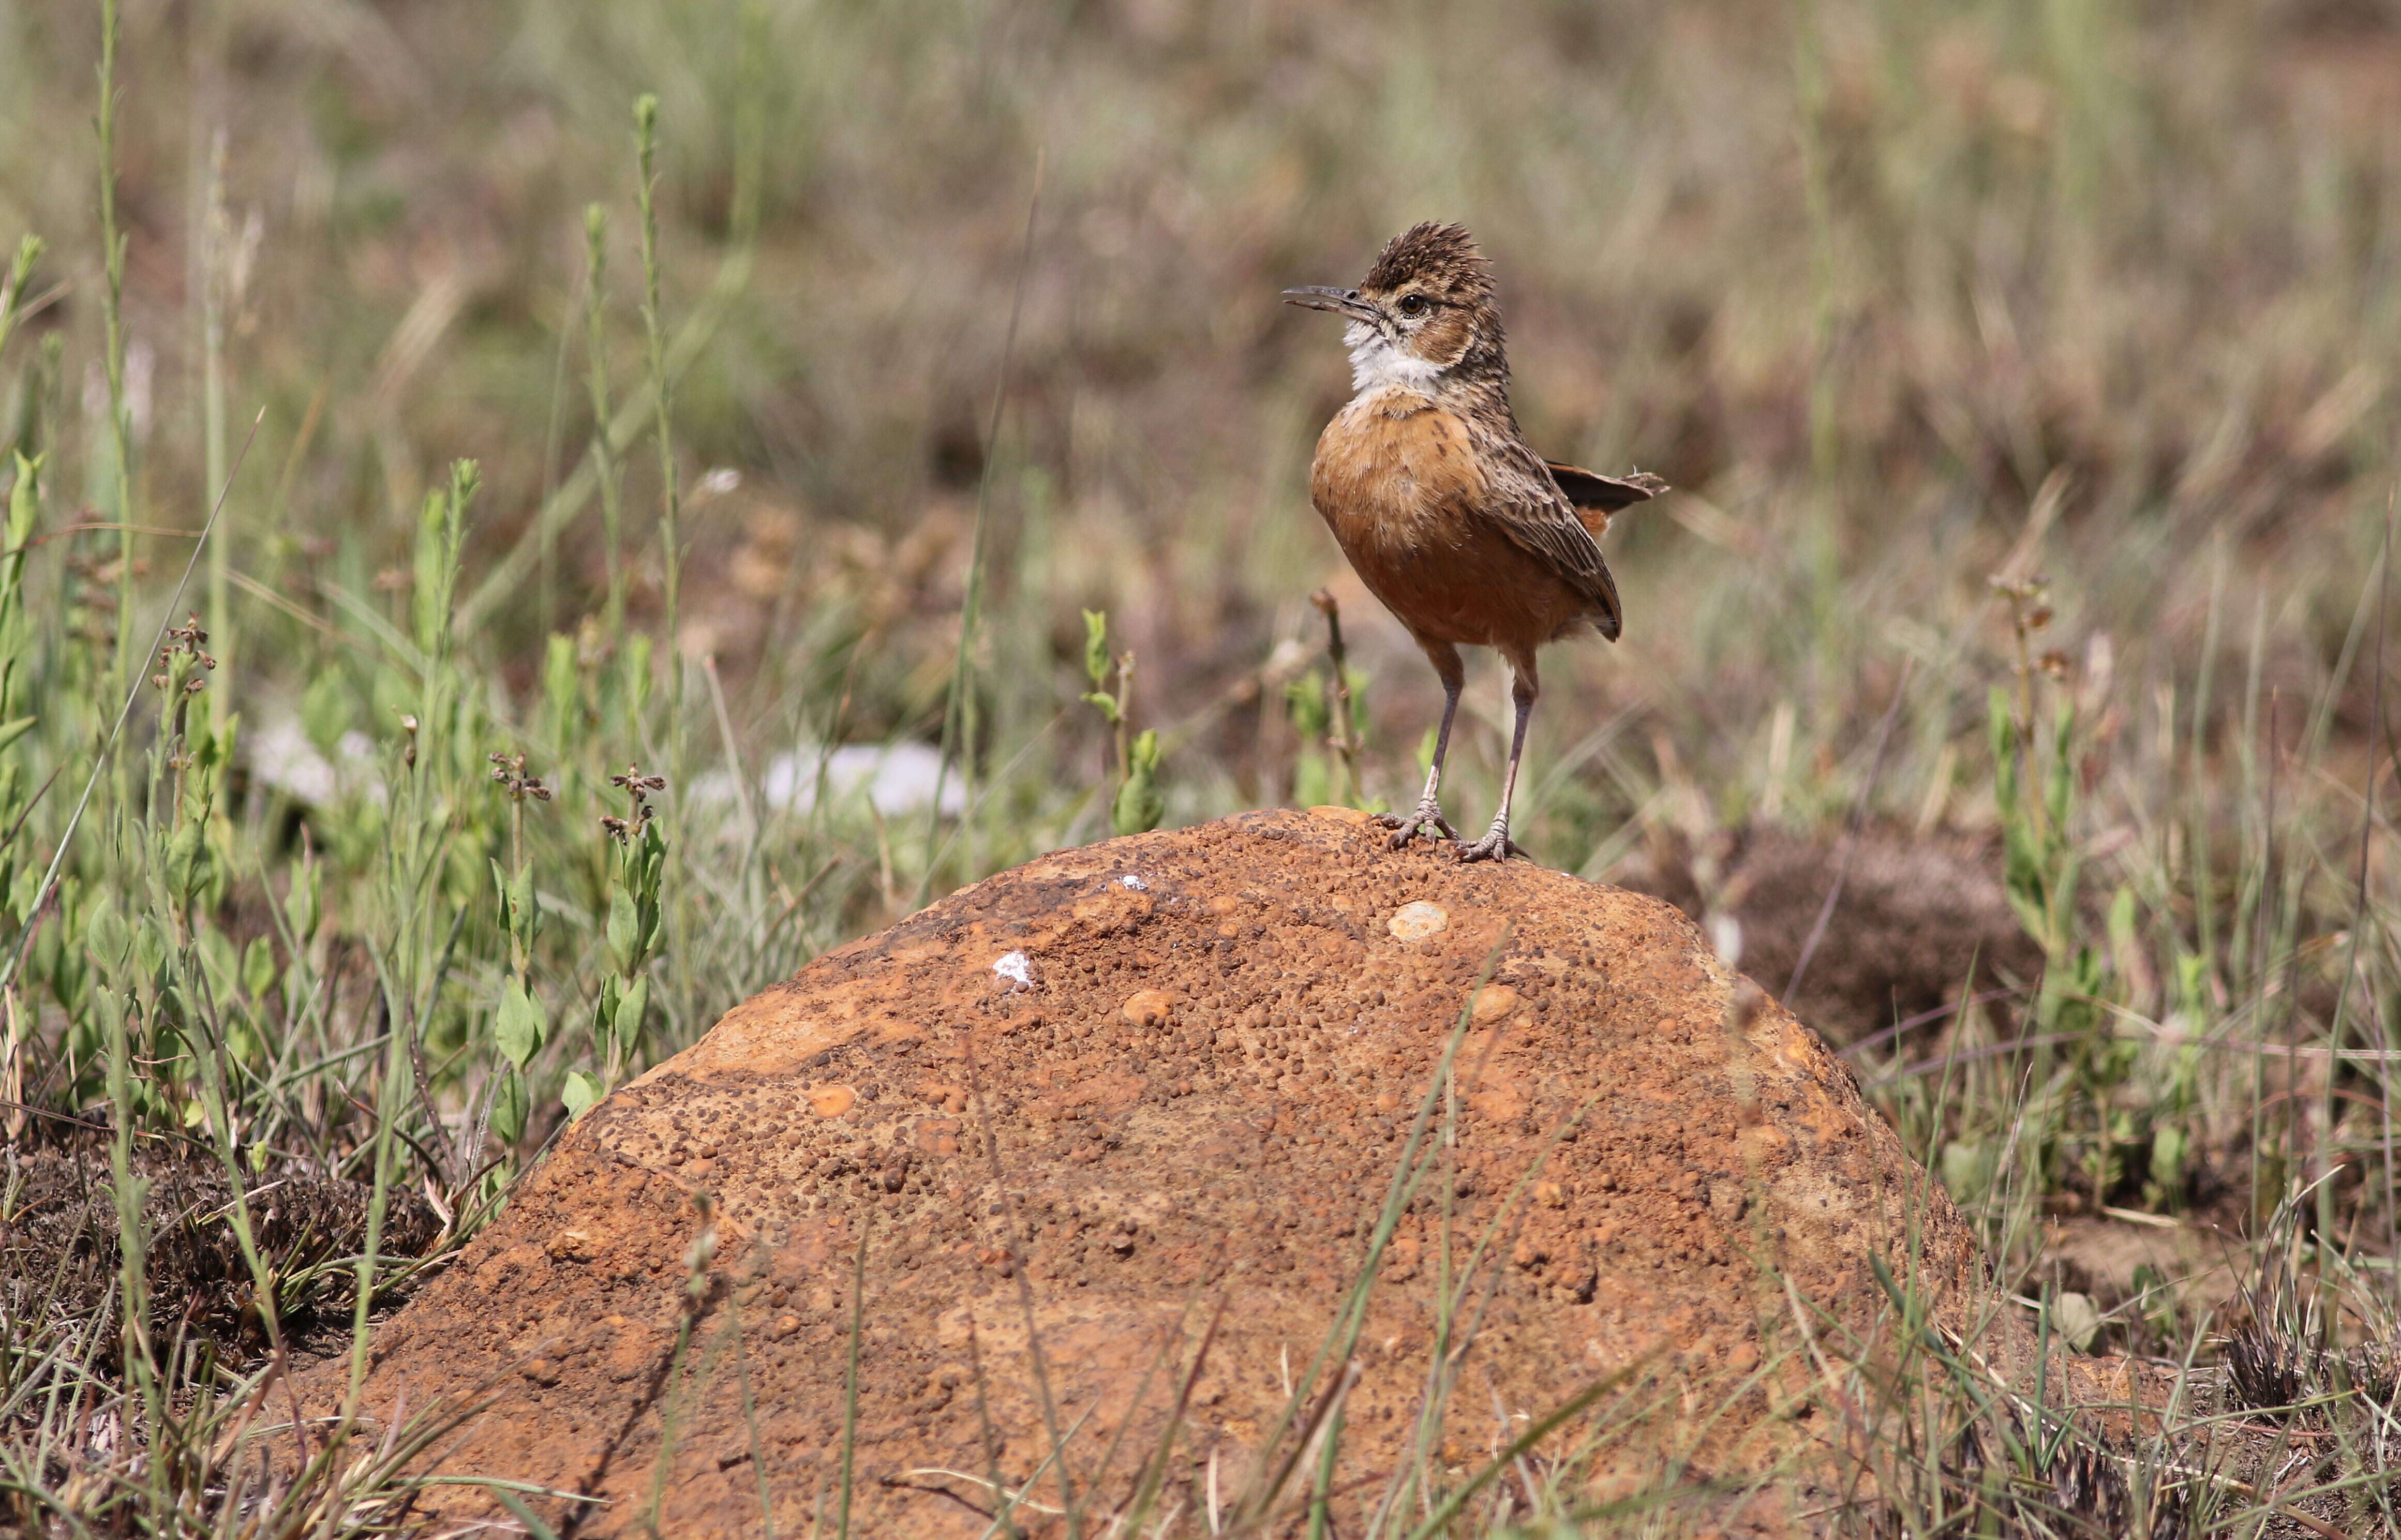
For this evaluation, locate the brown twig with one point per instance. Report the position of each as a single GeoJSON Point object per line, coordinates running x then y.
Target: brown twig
{"type": "Point", "coordinates": [1344, 740]}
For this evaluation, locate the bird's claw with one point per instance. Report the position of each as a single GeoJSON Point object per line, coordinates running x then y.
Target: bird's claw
{"type": "Point", "coordinates": [1494, 846]}
{"type": "Point", "coordinates": [1428, 816]}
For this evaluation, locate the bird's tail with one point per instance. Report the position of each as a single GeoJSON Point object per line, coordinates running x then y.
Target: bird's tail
{"type": "Point", "coordinates": [1597, 496]}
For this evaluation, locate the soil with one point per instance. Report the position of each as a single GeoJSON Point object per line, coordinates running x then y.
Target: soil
{"type": "Point", "coordinates": [1076, 1120]}
{"type": "Point", "coordinates": [60, 1259]}
{"type": "Point", "coordinates": [1920, 921]}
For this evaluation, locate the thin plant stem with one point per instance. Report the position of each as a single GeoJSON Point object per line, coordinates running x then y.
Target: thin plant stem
{"type": "Point", "coordinates": [112, 311]}
{"type": "Point", "coordinates": [646, 129]}
{"type": "Point", "coordinates": [546, 584]}
{"type": "Point", "coordinates": [604, 451]}
{"type": "Point", "coordinates": [214, 280]}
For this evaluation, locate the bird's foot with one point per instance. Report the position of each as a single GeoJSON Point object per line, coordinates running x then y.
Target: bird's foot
{"type": "Point", "coordinates": [1428, 816]}
{"type": "Point", "coordinates": [1494, 846]}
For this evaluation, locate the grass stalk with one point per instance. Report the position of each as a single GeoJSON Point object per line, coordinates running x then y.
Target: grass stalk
{"type": "Point", "coordinates": [112, 313]}
{"type": "Point", "coordinates": [646, 126]}
{"type": "Point", "coordinates": [215, 276]}
{"type": "Point", "coordinates": [604, 463]}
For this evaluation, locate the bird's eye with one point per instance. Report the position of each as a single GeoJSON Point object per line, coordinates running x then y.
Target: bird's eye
{"type": "Point", "coordinates": [1413, 304]}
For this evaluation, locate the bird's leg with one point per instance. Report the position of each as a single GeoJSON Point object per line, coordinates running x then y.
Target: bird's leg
{"type": "Point", "coordinates": [1495, 844]}
{"type": "Point", "coordinates": [1429, 810]}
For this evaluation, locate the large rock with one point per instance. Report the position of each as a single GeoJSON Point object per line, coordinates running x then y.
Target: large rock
{"type": "Point", "coordinates": [1081, 1105]}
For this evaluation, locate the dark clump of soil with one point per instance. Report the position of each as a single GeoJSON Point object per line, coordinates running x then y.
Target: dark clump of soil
{"type": "Point", "coordinates": [59, 1254]}
{"type": "Point", "coordinates": [1919, 923]}
{"type": "Point", "coordinates": [1106, 1135]}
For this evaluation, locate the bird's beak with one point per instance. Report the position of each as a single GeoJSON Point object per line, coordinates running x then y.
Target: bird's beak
{"type": "Point", "coordinates": [1340, 301]}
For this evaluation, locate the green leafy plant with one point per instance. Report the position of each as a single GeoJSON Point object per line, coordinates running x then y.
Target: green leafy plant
{"type": "Point", "coordinates": [1137, 801]}
{"type": "Point", "coordinates": [521, 1026]}
{"type": "Point", "coordinates": [636, 867]}
{"type": "Point", "coordinates": [1329, 714]}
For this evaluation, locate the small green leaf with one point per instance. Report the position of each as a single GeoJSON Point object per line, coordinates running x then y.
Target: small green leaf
{"type": "Point", "coordinates": [24, 502]}
{"type": "Point", "coordinates": [510, 1104]}
{"type": "Point", "coordinates": [187, 857]}
{"type": "Point", "coordinates": [627, 1020]}
{"type": "Point", "coordinates": [1140, 802]}
{"type": "Point", "coordinates": [1096, 647]}
{"type": "Point", "coordinates": [217, 961]}
{"type": "Point", "coordinates": [1108, 704]}
{"type": "Point", "coordinates": [104, 931]}
{"type": "Point", "coordinates": [150, 949]}
{"type": "Point", "coordinates": [625, 932]}
{"type": "Point", "coordinates": [581, 1091]}
{"type": "Point", "coordinates": [524, 914]}
{"type": "Point", "coordinates": [2075, 1317]}
{"type": "Point", "coordinates": [519, 1028]}
{"type": "Point", "coordinates": [301, 910]}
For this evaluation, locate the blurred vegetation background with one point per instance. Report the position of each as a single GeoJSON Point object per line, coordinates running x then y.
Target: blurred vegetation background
{"type": "Point", "coordinates": [967, 316]}
{"type": "Point", "coordinates": [1861, 281]}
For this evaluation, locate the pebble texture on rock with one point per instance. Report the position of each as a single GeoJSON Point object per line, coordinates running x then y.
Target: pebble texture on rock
{"type": "Point", "coordinates": [1111, 1088]}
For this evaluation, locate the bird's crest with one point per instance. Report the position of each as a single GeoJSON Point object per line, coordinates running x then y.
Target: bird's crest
{"type": "Point", "coordinates": [1443, 258]}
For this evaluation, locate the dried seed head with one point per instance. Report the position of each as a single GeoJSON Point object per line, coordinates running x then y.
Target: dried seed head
{"type": "Point", "coordinates": [638, 785]}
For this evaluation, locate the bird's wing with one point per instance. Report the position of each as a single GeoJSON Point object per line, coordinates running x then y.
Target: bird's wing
{"type": "Point", "coordinates": [1522, 496]}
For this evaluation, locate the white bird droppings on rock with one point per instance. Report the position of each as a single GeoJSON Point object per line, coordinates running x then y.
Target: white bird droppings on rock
{"type": "Point", "coordinates": [1015, 968]}
{"type": "Point", "coordinates": [1135, 883]}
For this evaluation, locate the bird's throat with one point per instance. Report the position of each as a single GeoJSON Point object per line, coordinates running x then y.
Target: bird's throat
{"type": "Point", "coordinates": [1377, 363]}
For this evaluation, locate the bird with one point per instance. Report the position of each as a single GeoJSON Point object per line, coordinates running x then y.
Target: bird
{"type": "Point", "coordinates": [1464, 533]}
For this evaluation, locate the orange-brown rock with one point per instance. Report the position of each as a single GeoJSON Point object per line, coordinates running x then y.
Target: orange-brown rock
{"type": "Point", "coordinates": [1080, 1105]}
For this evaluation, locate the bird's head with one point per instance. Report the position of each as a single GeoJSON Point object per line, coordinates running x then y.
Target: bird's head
{"type": "Point", "coordinates": [1423, 312]}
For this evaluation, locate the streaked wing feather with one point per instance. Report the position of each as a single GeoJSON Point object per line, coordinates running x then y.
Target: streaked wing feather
{"type": "Point", "coordinates": [1522, 495]}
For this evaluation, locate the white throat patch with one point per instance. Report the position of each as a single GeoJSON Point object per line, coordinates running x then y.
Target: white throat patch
{"type": "Point", "coordinates": [1375, 363]}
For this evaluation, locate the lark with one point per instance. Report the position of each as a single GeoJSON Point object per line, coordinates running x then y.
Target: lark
{"type": "Point", "coordinates": [1469, 537]}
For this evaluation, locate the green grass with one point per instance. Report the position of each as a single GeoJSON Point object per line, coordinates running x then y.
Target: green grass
{"type": "Point", "coordinates": [2096, 301]}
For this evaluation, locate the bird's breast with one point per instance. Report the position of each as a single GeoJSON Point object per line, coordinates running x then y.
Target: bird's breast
{"type": "Point", "coordinates": [1398, 481]}
{"type": "Point", "coordinates": [1394, 472]}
